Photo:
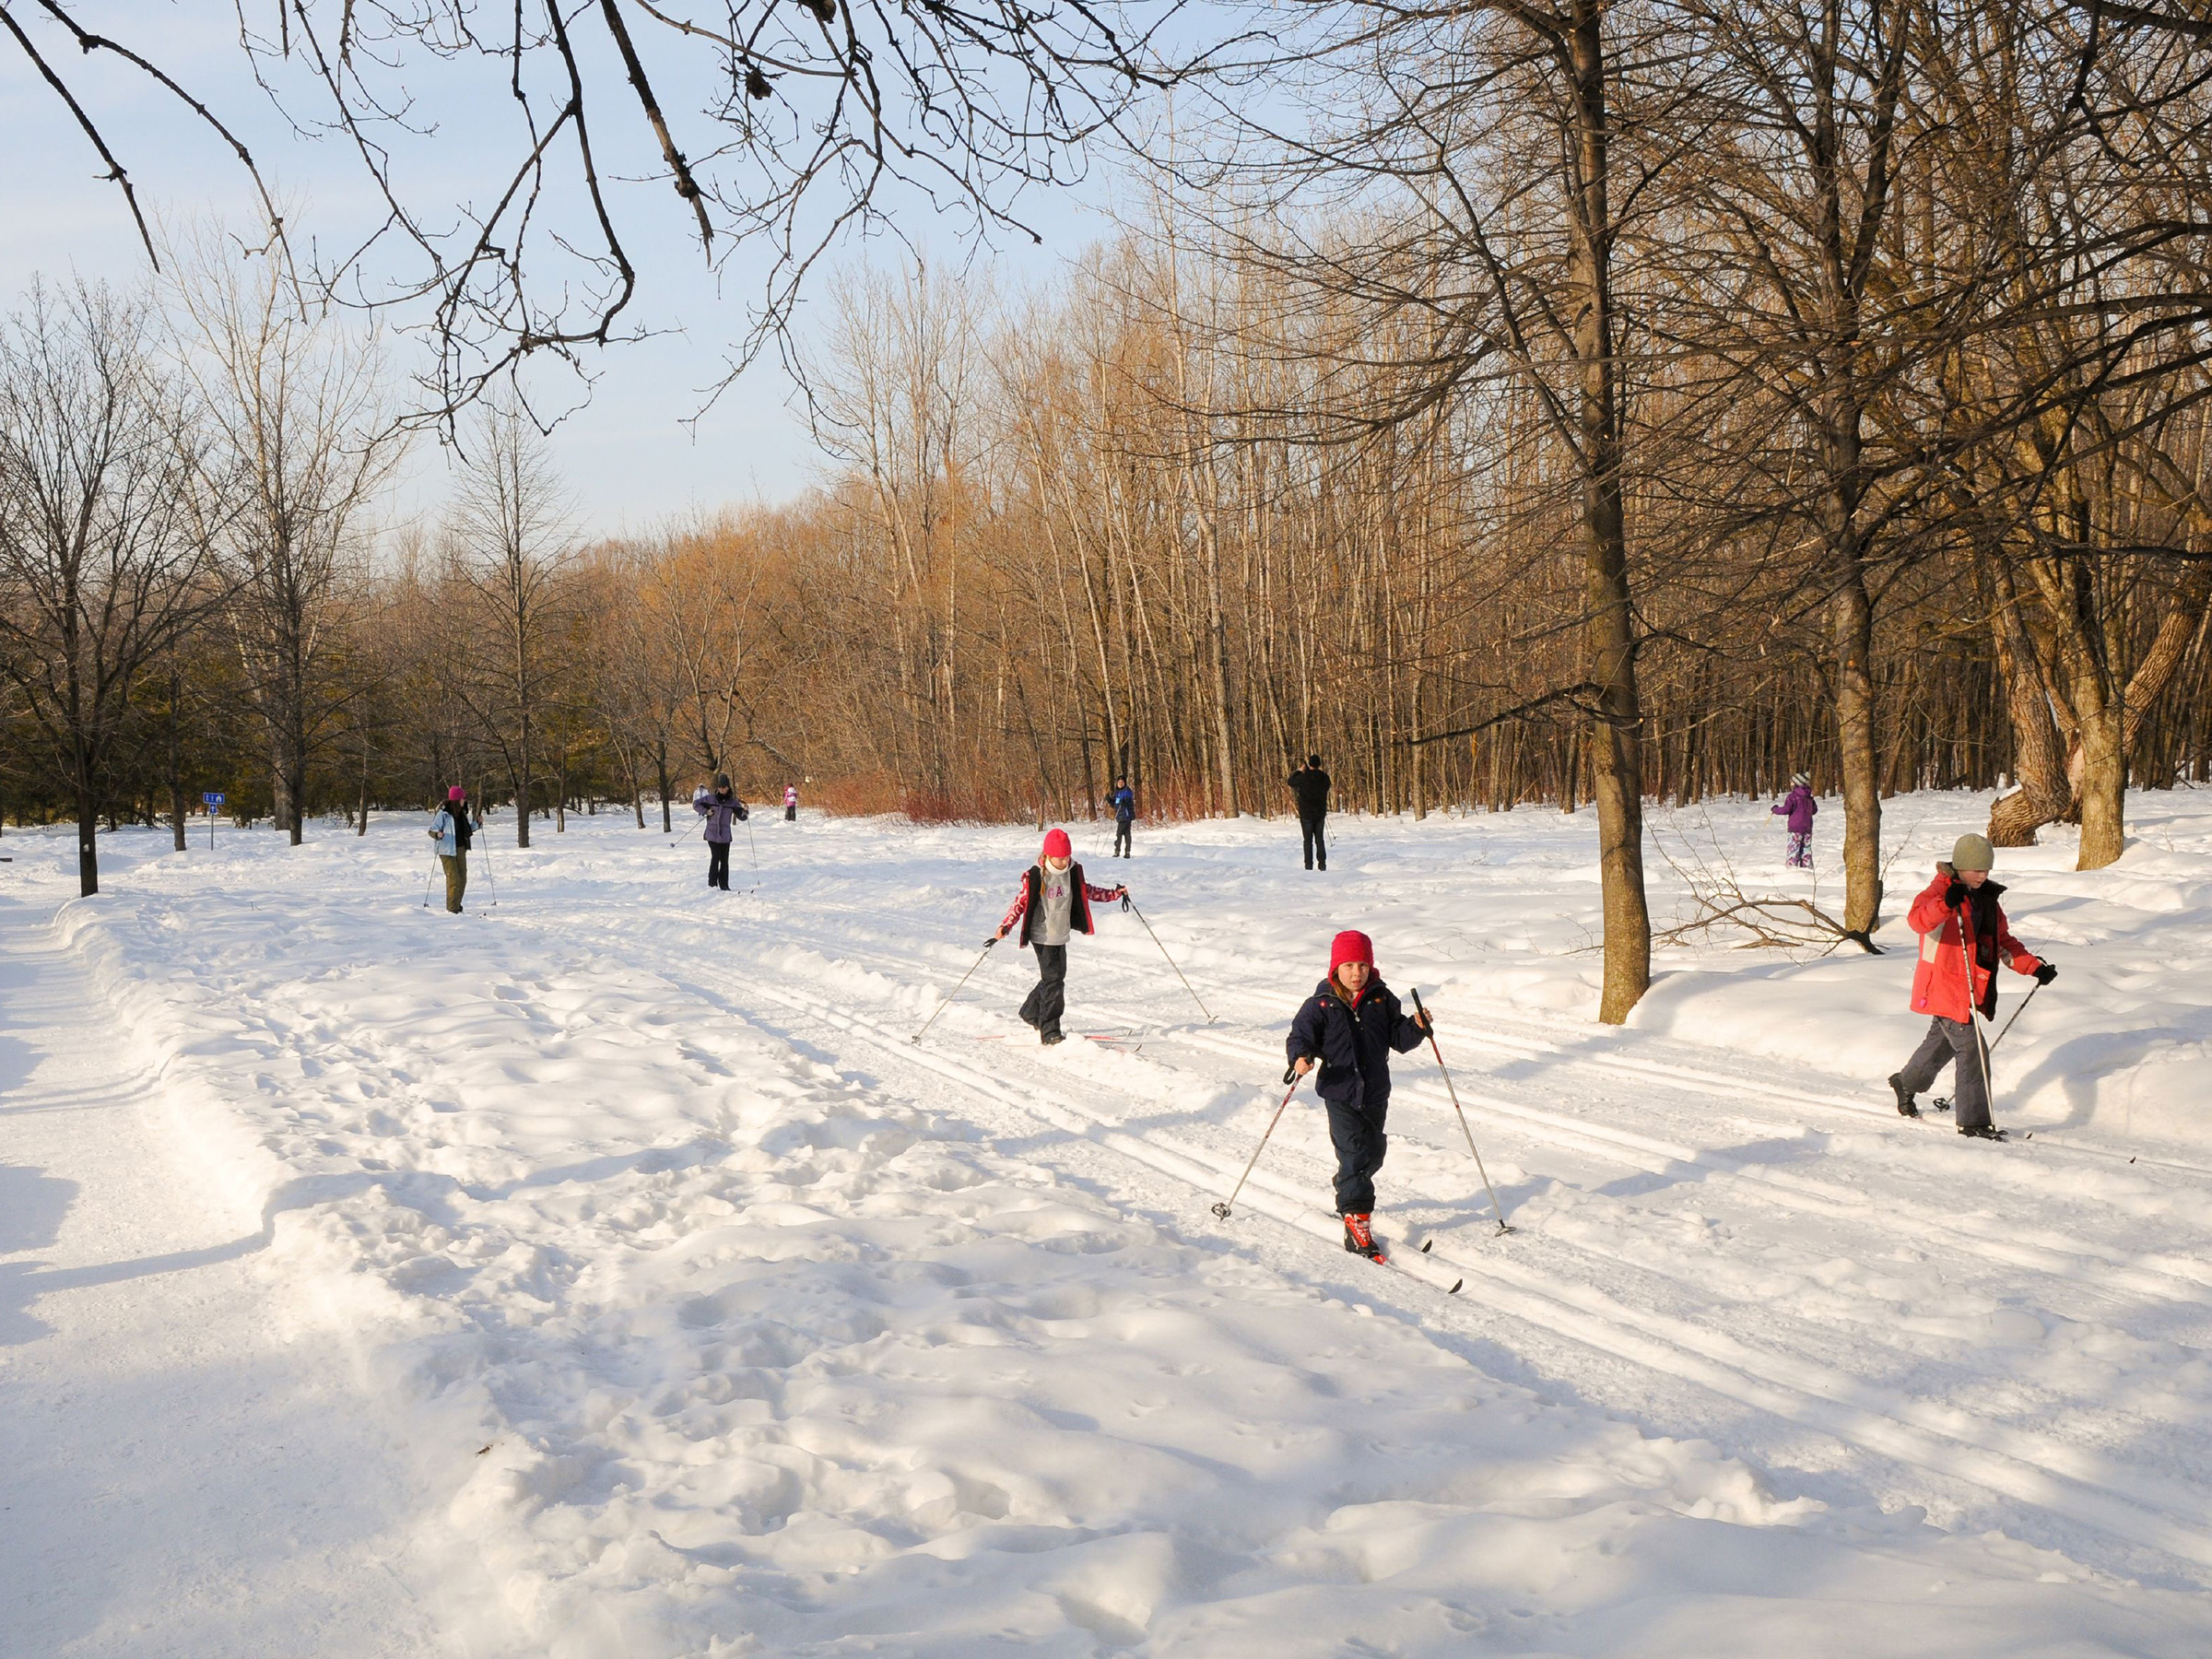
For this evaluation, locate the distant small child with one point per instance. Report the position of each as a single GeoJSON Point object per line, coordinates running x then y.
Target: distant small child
{"type": "Point", "coordinates": [1351, 1024]}
{"type": "Point", "coordinates": [1799, 808]}
{"type": "Point", "coordinates": [791, 803]}
{"type": "Point", "coordinates": [1124, 802]}
{"type": "Point", "coordinates": [1052, 905]}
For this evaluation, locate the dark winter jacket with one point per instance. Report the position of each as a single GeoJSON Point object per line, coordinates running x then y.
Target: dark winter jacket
{"type": "Point", "coordinates": [1124, 802]}
{"type": "Point", "coordinates": [718, 810]}
{"type": "Point", "coordinates": [1798, 806]}
{"type": "Point", "coordinates": [1311, 785]}
{"type": "Point", "coordinates": [1353, 1043]}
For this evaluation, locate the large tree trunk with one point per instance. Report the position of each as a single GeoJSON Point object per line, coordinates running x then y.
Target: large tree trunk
{"type": "Point", "coordinates": [1851, 615]}
{"type": "Point", "coordinates": [2046, 794]}
{"type": "Point", "coordinates": [296, 765]}
{"type": "Point", "coordinates": [1609, 629]}
{"type": "Point", "coordinates": [88, 832]}
{"type": "Point", "coordinates": [522, 788]}
{"type": "Point", "coordinates": [176, 760]}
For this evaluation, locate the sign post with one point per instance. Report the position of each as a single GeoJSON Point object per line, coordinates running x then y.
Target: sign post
{"type": "Point", "coordinates": [212, 801]}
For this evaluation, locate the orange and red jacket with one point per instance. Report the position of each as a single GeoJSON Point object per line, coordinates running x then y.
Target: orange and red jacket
{"type": "Point", "coordinates": [1939, 982]}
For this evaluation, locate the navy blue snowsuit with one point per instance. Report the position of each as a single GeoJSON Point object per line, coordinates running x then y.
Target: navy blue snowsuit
{"type": "Point", "coordinates": [1354, 1046]}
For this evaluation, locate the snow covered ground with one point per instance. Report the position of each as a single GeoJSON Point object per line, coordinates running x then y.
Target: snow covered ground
{"type": "Point", "coordinates": [661, 1297]}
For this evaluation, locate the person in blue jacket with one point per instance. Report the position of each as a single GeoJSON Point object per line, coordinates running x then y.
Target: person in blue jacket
{"type": "Point", "coordinates": [1350, 1025]}
{"type": "Point", "coordinates": [1124, 802]}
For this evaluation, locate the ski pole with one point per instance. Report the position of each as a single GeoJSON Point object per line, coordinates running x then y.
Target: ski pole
{"type": "Point", "coordinates": [2015, 1014]}
{"type": "Point", "coordinates": [1291, 1077]}
{"type": "Point", "coordinates": [1131, 903]}
{"type": "Point", "coordinates": [754, 847]}
{"type": "Point", "coordinates": [955, 991]}
{"type": "Point", "coordinates": [1973, 1017]}
{"type": "Point", "coordinates": [430, 875]}
{"type": "Point", "coordinates": [490, 874]}
{"type": "Point", "coordinates": [1440, 1067]}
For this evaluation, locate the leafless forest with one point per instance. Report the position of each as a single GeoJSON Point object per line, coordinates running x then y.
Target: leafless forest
{"type": "Point", "coordinates": [1591, 405]}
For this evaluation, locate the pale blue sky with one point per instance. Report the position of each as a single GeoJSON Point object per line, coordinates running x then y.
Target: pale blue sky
{"type": "Point", "coordinates": [629, 455]}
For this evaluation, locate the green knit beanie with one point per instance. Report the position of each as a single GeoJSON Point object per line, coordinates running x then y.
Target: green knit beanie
{"type": "Point", "coordinates": [1973, 853]}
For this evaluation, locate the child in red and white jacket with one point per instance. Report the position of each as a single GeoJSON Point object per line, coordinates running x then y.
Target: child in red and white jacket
{"type": "Point", "coordinates": [1963, 936]}
{"type": "Point", "coordinates": [1052, 905]}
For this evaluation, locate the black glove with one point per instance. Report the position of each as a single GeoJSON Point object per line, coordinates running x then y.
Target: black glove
{"type": "Point", "coordinates": [743, 815]}
{"type": "Point", "coordinates": [1955, 894]}
{"type": "Point", "coordinates": [2045, 973]}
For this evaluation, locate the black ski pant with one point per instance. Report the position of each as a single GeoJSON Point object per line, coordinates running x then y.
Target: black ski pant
{"type": "Point", "coordinates": [1356, 1133]}
{"type": "Point", "coordinates": [1121, 838]}
{"type": "Point", "coordinates": [1047, 999]}
{"type": "Point", "coordinates": [791, 815]}
{"type": "Point", "coordinates": [718, 865]}
{"type": "Point", "coordinates": [1310, 829]}
{"type": "Point", "coordinates": [1952, 1042]}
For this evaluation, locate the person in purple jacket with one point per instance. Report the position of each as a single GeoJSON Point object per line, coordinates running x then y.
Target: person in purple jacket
{"type": "Point", "coordinates": [1798, 808]}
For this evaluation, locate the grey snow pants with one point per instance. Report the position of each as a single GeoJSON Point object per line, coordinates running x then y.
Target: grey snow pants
{"type": "Point", "coordinates": [1950, 1042]}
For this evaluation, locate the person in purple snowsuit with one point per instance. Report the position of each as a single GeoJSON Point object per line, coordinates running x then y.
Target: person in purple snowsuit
{"type": "Point", "coordinates": [1798, 808]}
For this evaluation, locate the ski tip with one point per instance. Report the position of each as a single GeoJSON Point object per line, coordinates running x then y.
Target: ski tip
{"type": "Point", "coordinates": [1456, 1285]}
{"type": "Point", "coordinates": [1426, 1245]}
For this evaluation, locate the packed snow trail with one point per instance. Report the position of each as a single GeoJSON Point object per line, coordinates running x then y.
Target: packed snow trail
{"type": "Point", "coordinates": [2138, 1504]}
{"type": "Point", "coordinates": [721, 1319]}
{"type": "Point", "coordinates": [187, 1470]}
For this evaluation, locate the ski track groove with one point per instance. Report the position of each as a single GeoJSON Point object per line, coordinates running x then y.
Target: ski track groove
{"type": "Point", "coordinates": [1687, 1079]}
{"type": "Point", "coordinates": [2175, 1280]}
{"type": "Point", "coordinates": [2074, 1483]}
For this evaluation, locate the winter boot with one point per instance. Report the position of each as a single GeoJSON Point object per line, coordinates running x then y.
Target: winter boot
{"type": "Point", "coordinates": [1982, 1131]}
{"type": "Point", "coordinates": [1050, 1038]}
{"type": "Point", "coordinates": [1904, 1096]}
{"type": "Point", "coordinates": [1359, 1238]}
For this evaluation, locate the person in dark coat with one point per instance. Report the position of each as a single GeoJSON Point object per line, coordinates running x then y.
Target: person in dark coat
{"type": "Point", "coordinates": [1350, 1025]}
{"type": "Point", "coordinates": [1052, 905]}
{"type": "Point", "coordinates": [721, 808]}
{"type": "Point", "coordinates": [1124, 802]}
{"type": "Point", "coordinates": [1311, 785]}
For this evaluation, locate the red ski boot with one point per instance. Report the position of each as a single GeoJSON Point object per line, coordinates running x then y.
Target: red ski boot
{"type": "Point", "coordinates": [1359, 1238]}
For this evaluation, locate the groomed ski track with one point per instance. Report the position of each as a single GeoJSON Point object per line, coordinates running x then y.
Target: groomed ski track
{"type": "Point", "coordinates": [1625, 1322]}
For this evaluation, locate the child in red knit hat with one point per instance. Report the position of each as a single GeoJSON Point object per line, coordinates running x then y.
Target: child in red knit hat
{"type": "Point", "coordinates": [1052, 905]}
{"type": "Point", "coordinates": [1350, 1025]}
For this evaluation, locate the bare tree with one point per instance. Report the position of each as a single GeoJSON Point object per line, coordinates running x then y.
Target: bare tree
{"type": "Point", "coordinates": [103, 562]}
{"type": "Point", "coordinates": [299, 439]}
{"type": "Point", "coordinates": [512, 542]}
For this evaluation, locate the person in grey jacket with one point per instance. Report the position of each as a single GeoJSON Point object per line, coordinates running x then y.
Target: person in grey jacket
{"type": "Point", "coordinates": [721, 808]}
{"type": "Point", "coordinates": [452, 829]}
